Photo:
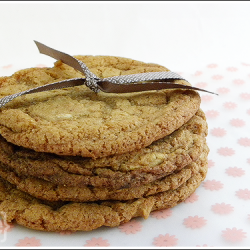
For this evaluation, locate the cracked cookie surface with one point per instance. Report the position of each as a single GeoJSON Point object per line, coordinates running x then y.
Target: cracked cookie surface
{"type": "Point", "coordinates": [76, 121]}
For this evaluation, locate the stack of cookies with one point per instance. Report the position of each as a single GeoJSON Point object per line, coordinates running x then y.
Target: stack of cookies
{"type": "Point", "coordinates": [72, 159]}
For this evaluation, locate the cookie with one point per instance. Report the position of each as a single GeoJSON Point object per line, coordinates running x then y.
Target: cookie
{"type": "Point", "coordinates": [56, 216]}
{"type": "Point", "coordinates": [48, 191]}
{"type": "Point", "coordinates": [159, 159]}
{"type": "Point", "coordinates": [78, 122]}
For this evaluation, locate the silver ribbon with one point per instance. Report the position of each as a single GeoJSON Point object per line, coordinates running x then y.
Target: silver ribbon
{"type": "Point", "coordinates": [116, 84]}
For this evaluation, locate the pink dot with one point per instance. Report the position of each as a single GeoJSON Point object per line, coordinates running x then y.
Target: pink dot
{"type": "Point", "coordinates": [194, 222]}
{"type": "Point", "coordinates": [244, 142]}
{"type": "Point", "coordinates": [165, 240]}
{"type": "Point", "coordinates": [212, 113]}
{"type": "Point", "coordinates": [29, 242]}
{"type": "Point", "coordinates": [225, 151]}
{"type": "Point", "coordinates": [212, 65]}
{"type": "Point", "coordinates": [222, 208]}
{"type": "Point", "coordinates": [198, 73]}
{"type": "Point", "coordinates": [238, 81]}
{"type": "Point", "coordinates": [232, 69]}
{"type": "Point", "coordinates": [248, 160]}
{"type": "Point", "coordinates": [41, 65]}
{"type": "Point", "coordinates": [245, 64]}
{"type": "Point", "coordinates": [131, 227]}
{"type": "Point", "coordinates": [235, 172]}
{"type": "Point", "coordinates": [223, 90]}
{"type": "Point", "coordinates": [243, 194]}
{"type": "Point", "coordinates": [248, 111]}
{"type": "Point", "coordinates": [245, 96]}
{"type": "Point", "coordinates": [230, 105]}
{"type": "Point", "coordinates": [162, 214]}
{"type": "Point", "coordinates": [192, 198]}
{"type": "Point", "coordinates": [210, 163]}
{"type": "Point", "coordinates": [97, 242]}
{"type": "Point", "coordinates": [7, 66]}
{"type": "Point", "coordinates": [206, 98]}
{"type": "Point", "coordinates": [233, 235]}
{"type": "Point", "coordinates": [237, 123]}
{"type": "Point", "coordinates": [218, 132]}
{"type": "Point", "coordinates": [212, 185]}
{"type": "Point", "coordinates": [217, 77]}
{"type": "Point", "coordinates": [201, 84]}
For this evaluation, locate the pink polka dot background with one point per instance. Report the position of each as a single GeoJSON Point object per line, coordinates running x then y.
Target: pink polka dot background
{"type": "Point", "coordinates": [218, 213]}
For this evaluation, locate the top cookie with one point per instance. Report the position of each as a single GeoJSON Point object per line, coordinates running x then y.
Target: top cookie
{"type": "Point", "coordinates": [77, 121]}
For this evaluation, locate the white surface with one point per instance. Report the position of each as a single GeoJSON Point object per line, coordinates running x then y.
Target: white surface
{"type": "Point", "coordinates": [179, 35]}
{"type": "Point", "coordinates": [208, 43]}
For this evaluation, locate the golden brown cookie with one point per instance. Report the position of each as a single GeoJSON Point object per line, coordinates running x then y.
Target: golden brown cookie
{"type": "Point", "coordinates": [48, 191]}
{"type": "Point", "coordinates": [159, 159]}
{"type": "Point", "coordinates": [76, 121]}
{"type": "Point", "coordinates": [40, 215]}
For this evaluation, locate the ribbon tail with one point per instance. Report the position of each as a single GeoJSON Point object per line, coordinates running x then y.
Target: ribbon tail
{"type": "Point", "coordinates": [57, 85]}
{"type": "Point", "coordinates": [110, 87]}
{"type": "Point", "coordinates": [145, 77]}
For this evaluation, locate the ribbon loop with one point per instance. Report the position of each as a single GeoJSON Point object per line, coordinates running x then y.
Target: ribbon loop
{"type": "Point", "coordinates": [65, 58]}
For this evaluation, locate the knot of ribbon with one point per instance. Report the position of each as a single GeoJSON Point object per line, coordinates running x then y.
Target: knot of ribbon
{"type": "Point", "coordinates": [116, 84]}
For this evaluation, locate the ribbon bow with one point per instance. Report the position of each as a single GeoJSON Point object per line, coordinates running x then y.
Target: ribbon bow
{"type": "Point", "coordinates": [116, 84]}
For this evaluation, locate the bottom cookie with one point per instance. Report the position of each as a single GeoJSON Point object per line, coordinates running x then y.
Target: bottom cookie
{"type": "Point", "coordinates": [59, 216]}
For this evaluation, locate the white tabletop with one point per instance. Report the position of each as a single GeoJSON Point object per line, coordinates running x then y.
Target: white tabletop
{"type": "Point", "coordinates": [208, 44]}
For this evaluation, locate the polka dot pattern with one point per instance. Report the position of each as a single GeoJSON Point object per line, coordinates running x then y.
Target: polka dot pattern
{"type": "Point", "coordinates": [217, 214]}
